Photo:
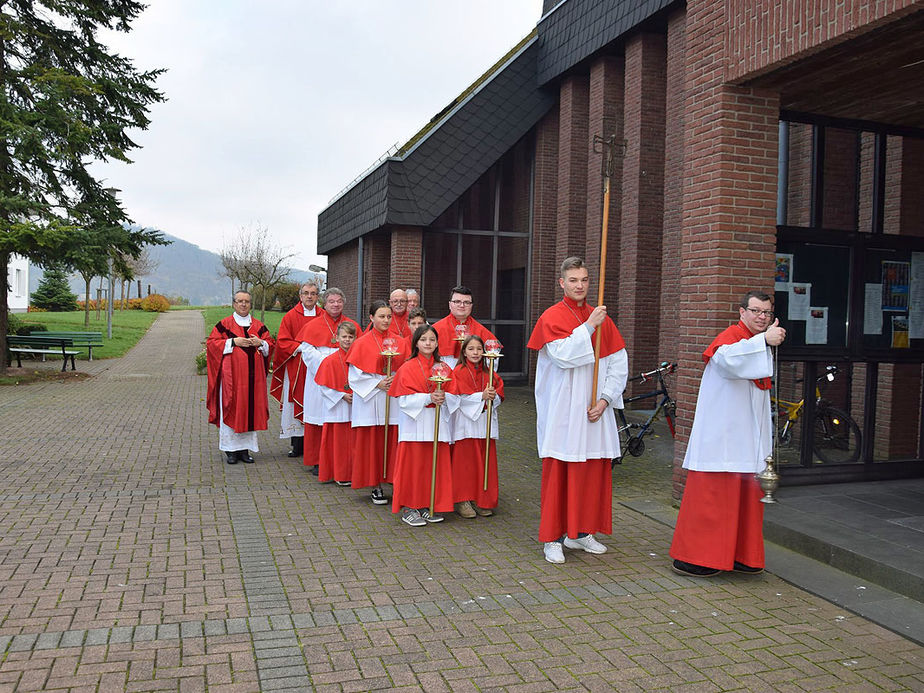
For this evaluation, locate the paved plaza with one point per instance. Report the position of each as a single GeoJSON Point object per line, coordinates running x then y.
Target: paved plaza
{"type": "Point", "coordinates": [132, 558]}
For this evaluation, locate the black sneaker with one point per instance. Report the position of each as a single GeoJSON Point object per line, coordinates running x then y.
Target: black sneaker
{"type": "Point", "coordinates": [378, 496]}
{"type": "Point", "coordinates": [746, 569]}
{"type": "Point", "coordinates": [693, 570]}
{"type": "Point", "coordinates": [313, 470]}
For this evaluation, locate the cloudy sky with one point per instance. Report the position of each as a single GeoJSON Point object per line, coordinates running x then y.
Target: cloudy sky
{"type": "Point", "coordinates": [274, 107]}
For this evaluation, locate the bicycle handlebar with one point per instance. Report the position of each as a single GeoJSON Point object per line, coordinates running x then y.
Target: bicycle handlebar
{"type": "Point", "coordinates": [665, 368]}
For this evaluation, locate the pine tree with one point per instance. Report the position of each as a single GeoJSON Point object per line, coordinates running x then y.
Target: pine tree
{"type": "Point", "coordinates": [66, 100]}
{"type": "Point", "coordinates": [53, 292]}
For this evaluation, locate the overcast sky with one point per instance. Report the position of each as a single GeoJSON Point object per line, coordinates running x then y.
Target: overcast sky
{"type": "Point", "coordinates": [274, 107]}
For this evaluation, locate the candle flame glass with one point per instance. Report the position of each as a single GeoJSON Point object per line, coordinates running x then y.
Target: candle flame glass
{"type": "Point", "coordinates": [389, 345]}
{"type": "Point", "coordinates": [492, 346]}
{"type": "Point", "coordinates": [440, 370]}
{"type": "Point", "coordinates": [461, 331]}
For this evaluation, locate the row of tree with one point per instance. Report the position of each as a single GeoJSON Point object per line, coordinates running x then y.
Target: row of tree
{"type": "Point", "coordinates": [251, 261]}
{"type": "Point", "coordinates": [67, 101]}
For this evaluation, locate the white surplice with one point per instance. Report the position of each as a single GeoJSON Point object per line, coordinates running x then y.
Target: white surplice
{"type": "Point", "coordinates": [732, 427]}
{"type": "Point", "coordinates": [470, 419]}
{"type": "Point", "coordinates": [312, 402]}
{"type": "Point", "coordinates": [369, 401]}
{"type": "Point", "coordinates": [564, 375]}
{"type": "Point", "coordinates": [417, 421]}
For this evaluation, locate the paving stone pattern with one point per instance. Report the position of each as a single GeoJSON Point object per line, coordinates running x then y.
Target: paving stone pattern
{"type": "Point", "coordinates": [132, 558]}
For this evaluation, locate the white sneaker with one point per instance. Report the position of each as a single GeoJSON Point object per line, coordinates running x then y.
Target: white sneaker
{"type": "Point", "coordinates": [553, 552]}
{"type": "Point", "coordinates": [588, 544]}
{"type": "Point", "coordinates": [411, 517]}
{"type": "Point", "coordinates": [425, 514]}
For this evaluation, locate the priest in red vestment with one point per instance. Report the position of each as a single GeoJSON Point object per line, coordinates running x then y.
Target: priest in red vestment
{"type": "Point", "coordinates": [720, 525]}
{"type": "Point", "coordinates": [286, 363]}
{"type": "Point", "coordinates": [318, 339]}
{"type": "Point", "coordinates": [450, 334]}
{"type": "Point", "coordinates": [576, 439]}
{"type": "Point", "coordinates": [237, 358]}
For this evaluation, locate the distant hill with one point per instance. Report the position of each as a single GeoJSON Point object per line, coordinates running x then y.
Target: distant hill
{"type": "Point", "coordinates": [183, 269]}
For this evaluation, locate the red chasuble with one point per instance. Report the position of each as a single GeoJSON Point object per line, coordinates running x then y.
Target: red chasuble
{"type": "Point", "coordinates": [286, 343]}
{"type": "Point", "coordinates": [733, 335]}
{"type": "Point", "coordinates": [446, 331]}
{"type": "Point", "coordinates": [320, 332]}
{"type": "Point", "coordinates": [366, 353]}
{"type": "Point", "coordinates": [240, 376]}
{"type": "Point", "coordinates": [559, 320]}
{"type": "Point", "coordinates": [414, 466]}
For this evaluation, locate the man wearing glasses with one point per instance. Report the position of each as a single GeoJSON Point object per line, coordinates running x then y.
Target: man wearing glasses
{"type": "Point", "coordinates": [398, 303]}
{"type": "Point", "coordinates": [720, 526]}
{"type": "Point", "coordinates": [237, 356]}
{"type": "Point", "coordinates": [447, 329]}
{"type": "Point", "coordinates": [285, 363]}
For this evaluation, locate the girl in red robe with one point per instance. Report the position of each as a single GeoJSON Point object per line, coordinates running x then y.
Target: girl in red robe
{"type": "Point", "coordinates": [370, 388]}
{"type": "Point", "coordinates": [469, 428]}
{"type": "Point", "coordinates": [417, 398]}
{"type": "Point", "coordinates": [335, 459]}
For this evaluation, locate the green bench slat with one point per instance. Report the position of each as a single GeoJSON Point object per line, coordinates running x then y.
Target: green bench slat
{"type": "Point", "coordinates": [23, 344]}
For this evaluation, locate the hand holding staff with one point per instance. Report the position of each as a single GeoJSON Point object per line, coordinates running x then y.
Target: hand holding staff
{"type": "Point", "coordinates": [440, 375]}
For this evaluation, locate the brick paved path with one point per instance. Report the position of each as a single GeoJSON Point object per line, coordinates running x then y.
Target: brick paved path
{"type": "Point", "coordinates": [133, 558]}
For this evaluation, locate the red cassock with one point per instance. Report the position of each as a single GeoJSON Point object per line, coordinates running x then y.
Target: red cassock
{"type": "Point", "coordinates": [468, 452]}
{"type": "Point", "coordinates": [240, 376]}
{"type": "Point", "coordinates": [335, 461]}
{"type": "Point", "coordinates": [576, 497]}
{"type": "Point", "coordinates": [368, 436]}
{"type": "Point", "coordinates": [320, 332]}
{"type": "Point", "coordinates": [446, 331]}
{"type": "Point", "coordinates": [414, 466]}
{"type": "Point", "coordinates": [286, 344]}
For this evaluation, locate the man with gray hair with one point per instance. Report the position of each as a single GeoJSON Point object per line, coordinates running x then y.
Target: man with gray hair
{"type": "Point", "coordinates": [286, 363]}
{"type": "Point", "coordinates": [413, 299]}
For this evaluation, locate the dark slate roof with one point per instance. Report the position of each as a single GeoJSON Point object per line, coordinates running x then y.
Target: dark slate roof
{"type": "Point", "coordinates": [575, 29]}
{"type": "Point", "coordinates": [446, 158]}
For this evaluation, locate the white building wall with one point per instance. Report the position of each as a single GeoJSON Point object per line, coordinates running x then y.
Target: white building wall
{"type": "Point", "coordinates": [17, 296]}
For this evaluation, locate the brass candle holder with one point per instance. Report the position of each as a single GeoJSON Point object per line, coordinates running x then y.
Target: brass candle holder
{"type": "Point", "coordinates": [389, 351]}
{"type": "Point", "coordinates": [492, 353]}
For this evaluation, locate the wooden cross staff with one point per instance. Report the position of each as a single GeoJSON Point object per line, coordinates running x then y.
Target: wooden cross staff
{"type": "Point", "coordinates": [611, 148]}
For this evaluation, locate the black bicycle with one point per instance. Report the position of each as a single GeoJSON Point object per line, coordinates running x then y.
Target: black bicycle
{"type": "Point", "coordinates": [632, 435]}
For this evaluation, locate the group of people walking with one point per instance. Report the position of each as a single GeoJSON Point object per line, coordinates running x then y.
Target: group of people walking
{"type": "Point", "coordinates": [407, 403]}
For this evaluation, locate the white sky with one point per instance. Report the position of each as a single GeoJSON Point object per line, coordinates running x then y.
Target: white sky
{"type": "Point", "coordinates": [274, 107]}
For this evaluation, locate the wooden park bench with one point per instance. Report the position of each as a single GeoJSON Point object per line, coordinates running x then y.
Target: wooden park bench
{"type": "Point", "coordinates": [32, 344]}
{"type": "Point", "coordinates": [81, 340]}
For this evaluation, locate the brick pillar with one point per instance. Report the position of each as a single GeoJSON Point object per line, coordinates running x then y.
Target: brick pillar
{"type": "Point", "coordinates": [376, 271]}
{"type": "Point", "coordinates": [341, 272]}
{"type": "Point", "coordinates": [643, 198]}
{"type": "Point", "coordinates": [729, 201]}
{"type": "Point", "coordinates": [544, 270]}
{"type": "Point", "coordinates": [673, 189]}
{"type": "Point", "coordinates": [573, 149]}
{"type": "Point", "coordinates": [605, 119]}
{"type": "Point", "coordinates": [406, 258]}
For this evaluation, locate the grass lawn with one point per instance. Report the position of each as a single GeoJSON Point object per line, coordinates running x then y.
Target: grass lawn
{"type": "Point", "coordinates": [213, 314]}
{"type": "Point", "coordinates": [128, 326]}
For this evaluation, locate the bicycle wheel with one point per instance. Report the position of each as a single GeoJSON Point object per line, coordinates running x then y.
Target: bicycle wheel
{"type": "Point", "coordinates": [836, 436]}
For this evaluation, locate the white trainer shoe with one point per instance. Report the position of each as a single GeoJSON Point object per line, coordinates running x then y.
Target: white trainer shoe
{"type": "Point", "coordinates": [588, 544]}
{"type": "Point", "coordinates": [553, 552]}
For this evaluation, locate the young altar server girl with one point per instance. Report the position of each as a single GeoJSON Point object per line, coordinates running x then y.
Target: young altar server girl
{"type": "Point", "coordinates": [417, 397]}
{"type": "Point", "coordinates": [370, 387]}
{"type": "Point", "coordinates": [335, 461]}
{"type": "Point", "coordinates": [469, 428]}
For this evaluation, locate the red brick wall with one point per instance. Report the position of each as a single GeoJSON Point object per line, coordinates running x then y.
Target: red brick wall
{"type": "Point", "coordinates": [573, 150]}
{"type": "Point", "coordinates": [406, 254]}
{"type": "Point", "coordinates": [376, 271]}
{"type": "Point", "coordinates": [642, 198]}
{"type": "Point", "coordinates": [799, 192]}
{"type": "Point", "coordinates": [673, 189]}
{"type": "Point", "coordinates": [341, 272]}
{"type": "Point", "coordinates": [839, 208]}
{"type": "Point", "coordinates": [605, 118]}
{"type": "Point", "coordinates": [729, 200]}
{"type": "Point", "coordinates": [544, 289]}
{"type": "Point", "coordinates": [762, 35]}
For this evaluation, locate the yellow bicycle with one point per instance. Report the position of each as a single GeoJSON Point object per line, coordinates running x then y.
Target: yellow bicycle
{"type": "Point", "coordinates": [835, 435]}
